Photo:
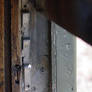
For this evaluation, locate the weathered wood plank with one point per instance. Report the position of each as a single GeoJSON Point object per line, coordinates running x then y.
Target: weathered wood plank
{"type": "Point", "coordinates": [7, 45]}
{"type": "Point", "coordinates": [15, 41]}
{"type": "Point", "coordinates": [1, 45]}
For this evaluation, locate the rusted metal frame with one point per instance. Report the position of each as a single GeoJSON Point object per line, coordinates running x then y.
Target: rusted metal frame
{"type": "Point", "coordinates": [7, 45]}
{"type": "Point", "coordinates": [15, 41]}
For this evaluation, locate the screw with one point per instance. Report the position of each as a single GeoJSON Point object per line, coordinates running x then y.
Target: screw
{"type": "Point", "coordinates": [42, 69]}
{"type": "Point", "coordinates": [28, 85]}
{"type": "Point", "coordinates": [33, 88]}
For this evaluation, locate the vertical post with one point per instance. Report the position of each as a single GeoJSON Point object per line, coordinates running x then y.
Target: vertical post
{"type": "Point", "coordinates": [63, 60]}
{"type": "Point", "coordinates": [7, 45]}
{"type": "Point", "coordinates": [1, 45]}
{"type": "Point", "coordinates": [15, 41]}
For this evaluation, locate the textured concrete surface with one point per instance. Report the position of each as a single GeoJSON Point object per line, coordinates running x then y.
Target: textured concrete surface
{"type": "Point", "coordinates": [63, 60]}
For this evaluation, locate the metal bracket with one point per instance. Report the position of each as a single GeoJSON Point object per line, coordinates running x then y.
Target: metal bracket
{"type": "Point", "coordinates": [17, 69]}
{"type": "Point", "coordinates": [27, 79]}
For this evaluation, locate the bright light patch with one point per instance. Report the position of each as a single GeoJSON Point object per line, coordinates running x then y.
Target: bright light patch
{"type": "Point", "coordinates": [84, 66]}
{"type": "Point", "coordinates": [29, 66]}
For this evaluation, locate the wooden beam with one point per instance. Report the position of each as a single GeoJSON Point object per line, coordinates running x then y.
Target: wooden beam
{"type": "Point", "coordinates": [7, 45]}
{"type": "Point", "coordinates": [1, 45]}
{"type": "Point", "coordinates": [15, 41]}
